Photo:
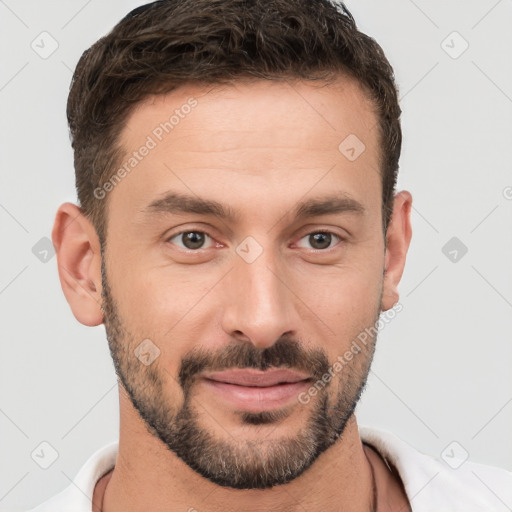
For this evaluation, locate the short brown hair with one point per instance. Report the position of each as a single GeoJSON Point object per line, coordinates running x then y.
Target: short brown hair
{"type": "Point", "coordinates": [168, 43]}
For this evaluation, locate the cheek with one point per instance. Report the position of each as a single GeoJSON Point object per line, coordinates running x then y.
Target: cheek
{"type": "Point", "coordinates": [163, 303]}
{"type": "Point", "coordinates": [344, 299]}
{"type": "Point", "coordinates": [352, 288]}
{"type": "Point", "coordinates": [153, 305]}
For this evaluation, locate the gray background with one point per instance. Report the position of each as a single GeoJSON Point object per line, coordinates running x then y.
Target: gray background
{"type": "Point", "coordinates": [442, 367]}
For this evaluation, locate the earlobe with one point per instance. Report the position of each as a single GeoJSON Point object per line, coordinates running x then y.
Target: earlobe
{"type": "Point", "coordinates": [79, 263]}
{"type": "Point", "coordinates": [398, 239]}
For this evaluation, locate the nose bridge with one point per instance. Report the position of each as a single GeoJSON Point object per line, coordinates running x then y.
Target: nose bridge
{"type": "Point", "coordinates": [260, 304]}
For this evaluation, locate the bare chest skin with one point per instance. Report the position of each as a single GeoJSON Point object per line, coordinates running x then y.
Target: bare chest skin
{"type": "Point", "coordinates": [390, 490]}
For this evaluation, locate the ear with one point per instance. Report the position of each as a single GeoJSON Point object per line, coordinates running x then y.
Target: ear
{"type": "Point", "coordinates": [398, 239]}
{"type": "Point", "coordinates": [79, 262]}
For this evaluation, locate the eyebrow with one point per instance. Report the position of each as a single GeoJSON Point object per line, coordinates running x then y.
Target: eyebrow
{"type": "Point", "coordinates": [178, 203]}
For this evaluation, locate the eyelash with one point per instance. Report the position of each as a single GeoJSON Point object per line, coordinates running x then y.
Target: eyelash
{"type": "Point", "coordinates": [325, 231]}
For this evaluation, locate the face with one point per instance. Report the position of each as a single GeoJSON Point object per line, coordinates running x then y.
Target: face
{"type": "Point", "coordinates": [244, 238]}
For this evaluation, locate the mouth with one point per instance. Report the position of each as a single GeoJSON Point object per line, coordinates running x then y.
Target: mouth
{"type": "Point", "coordinates": [255, 390]}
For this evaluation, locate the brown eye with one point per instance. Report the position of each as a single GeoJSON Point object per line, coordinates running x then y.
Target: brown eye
{"type": "Point", "coordinates": [190, 240]}
{"type": "Point", "coordinates": [320, 240]}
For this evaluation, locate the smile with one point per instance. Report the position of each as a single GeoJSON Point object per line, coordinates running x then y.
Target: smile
{"type": "Point", "coordinates": [254, 390]}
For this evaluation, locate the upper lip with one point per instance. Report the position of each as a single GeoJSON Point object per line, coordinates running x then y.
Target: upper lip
{"type": "Point", "coordinates": [257, 378]}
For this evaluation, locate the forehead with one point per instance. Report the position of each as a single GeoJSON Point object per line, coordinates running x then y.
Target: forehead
{"type": "Point", "coordinates": [272, 113]}
{"type": "Point", "coordinates": [261, 138]}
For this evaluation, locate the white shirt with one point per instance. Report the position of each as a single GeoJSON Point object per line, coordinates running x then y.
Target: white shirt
{"type": "Point", "coordinates": [431, 485]}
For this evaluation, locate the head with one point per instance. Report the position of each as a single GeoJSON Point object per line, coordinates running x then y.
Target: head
{"type": "Point", "coordinates": [236, 169]}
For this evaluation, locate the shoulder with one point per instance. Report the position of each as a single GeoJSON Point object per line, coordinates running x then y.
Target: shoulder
{"type": "Point", "coordinates": [449, 485]}
{"type": "Point", "coordinates": [77, 496]}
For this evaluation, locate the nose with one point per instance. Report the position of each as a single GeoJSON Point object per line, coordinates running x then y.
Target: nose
{"type": "Point", "coordinates": [260, 304]}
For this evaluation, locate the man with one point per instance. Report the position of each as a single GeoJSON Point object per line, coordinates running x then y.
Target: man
{"type": "Point", "coordinates": [239, 235]}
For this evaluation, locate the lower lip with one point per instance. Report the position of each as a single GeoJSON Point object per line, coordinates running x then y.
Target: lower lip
{"type": "Point", "coordinates": [256, 399]}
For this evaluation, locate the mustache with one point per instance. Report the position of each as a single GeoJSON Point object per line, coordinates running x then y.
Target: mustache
{"type": "Point", "coordinates": [285, 353]}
